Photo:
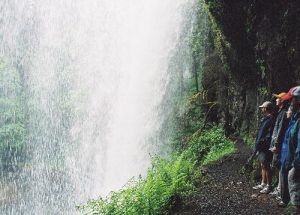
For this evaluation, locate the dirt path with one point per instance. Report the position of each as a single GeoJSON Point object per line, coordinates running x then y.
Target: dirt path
{"type": "Point", "coordinates": [228, 191]}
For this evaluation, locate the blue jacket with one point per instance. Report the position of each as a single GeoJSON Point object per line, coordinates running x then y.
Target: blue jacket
{"type": "Point", "coordinates": [264, 134]}
{"type": "Point", "coordinates": [293, 143]}
{"type": "Point", "coordinates": [284, 148]}
{"type": "Point", "coordinates": [296, 163]}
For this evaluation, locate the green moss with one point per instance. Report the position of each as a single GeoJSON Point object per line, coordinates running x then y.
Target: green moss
{"type": "Point", "coordinates": [221, 44]}
{"type": "Point", "coordinates": [215, 6]}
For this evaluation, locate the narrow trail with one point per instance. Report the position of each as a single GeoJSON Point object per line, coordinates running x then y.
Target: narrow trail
{"type": "Point", "coordinates": [228, 191]}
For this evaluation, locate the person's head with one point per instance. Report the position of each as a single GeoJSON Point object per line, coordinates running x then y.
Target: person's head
{"type": "Point", "coordinates": [266, 108]}
{"type": "Point", "coordinates": [279, 101]}
{"type": "Point", "coordinates": [296, 98]}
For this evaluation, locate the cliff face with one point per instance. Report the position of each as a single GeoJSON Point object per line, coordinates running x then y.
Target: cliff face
{"type": "Point", "coordinates": [255, 52]}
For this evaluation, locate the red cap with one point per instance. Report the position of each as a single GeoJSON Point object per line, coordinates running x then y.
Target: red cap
{"type": "Point", "coordinates": [288, 96]}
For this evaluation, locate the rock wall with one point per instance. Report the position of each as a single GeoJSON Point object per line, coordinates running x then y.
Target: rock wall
{"type": "Point", "coordinates": [254, 52]}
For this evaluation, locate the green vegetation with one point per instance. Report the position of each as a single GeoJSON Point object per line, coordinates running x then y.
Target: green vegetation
{"type": "Point", "coordinates": [221, 44]}
{"type": "Point", "coordinates": [152, 195]}
{"type": "Point", "coordinates": [248, 139]}
{"type": "Point", "coordinates": [12, 127]}
{"type": "Point", "coordinates": [290, 209]}
{"type": "Point", "coordinates": [167, 181]}
{"type": "Point", "coordinates": [219, 151]}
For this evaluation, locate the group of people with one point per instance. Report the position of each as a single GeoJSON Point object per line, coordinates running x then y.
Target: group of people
{"type": "Point", "coordinates": [277, 148]}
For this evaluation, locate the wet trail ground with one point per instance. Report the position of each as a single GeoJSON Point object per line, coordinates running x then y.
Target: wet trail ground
{"type": "Point", "coordinates": [227, 190]}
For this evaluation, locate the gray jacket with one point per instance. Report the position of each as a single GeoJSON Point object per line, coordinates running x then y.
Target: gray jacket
{"type": "Point", "coordinates": [280, 126]}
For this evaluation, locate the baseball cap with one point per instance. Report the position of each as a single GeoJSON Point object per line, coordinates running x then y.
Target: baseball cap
{"type": "Point", "coordinates": [266, 104]}
{"type": "Point", "coordinates": [280, 95]}
{"type": "Point", "coordinates": [288, 96]}
{"type": "Point", "coordinates": [296, 92]}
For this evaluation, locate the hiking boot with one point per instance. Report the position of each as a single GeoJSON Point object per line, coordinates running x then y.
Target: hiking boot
{"type": "Point", "coordinates": [259, 187]}
{"type": "Point", "coordinates": [266, 190]}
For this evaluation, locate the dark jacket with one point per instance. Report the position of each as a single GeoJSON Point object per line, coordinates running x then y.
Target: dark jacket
{"type": "Point", "coordinates": [264, 134]}
{"type": "Point", "coordinates": [280, 126]}
{"type": "Point", "coordinates": [293, 148]}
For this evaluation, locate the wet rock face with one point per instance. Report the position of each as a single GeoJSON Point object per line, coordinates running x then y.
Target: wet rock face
{"type": "Point", "coordinates": [277, 41]}
{"type": "Point", "coordinates": [258, 46]}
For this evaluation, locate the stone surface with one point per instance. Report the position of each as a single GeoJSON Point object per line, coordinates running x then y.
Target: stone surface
{"type": "Point", "coordinates": [254, 52]}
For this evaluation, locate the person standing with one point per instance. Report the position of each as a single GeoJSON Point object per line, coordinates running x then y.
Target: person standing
{"type": "Point", "coordinates": [262, 145]}
{"type": "Point", "coordinates": [277, 138]}
{"type": "Point", "coordinates": [284, 188]}
{"type": "Point", "coordinates": [293, 154]}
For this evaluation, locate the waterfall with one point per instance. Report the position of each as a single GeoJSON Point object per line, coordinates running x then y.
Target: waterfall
{"type": "Point", "coordinates": [93, 75]}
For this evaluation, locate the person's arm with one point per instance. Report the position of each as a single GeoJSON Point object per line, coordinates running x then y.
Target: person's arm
{"type": "Point", "coordinates": [270, 127]}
